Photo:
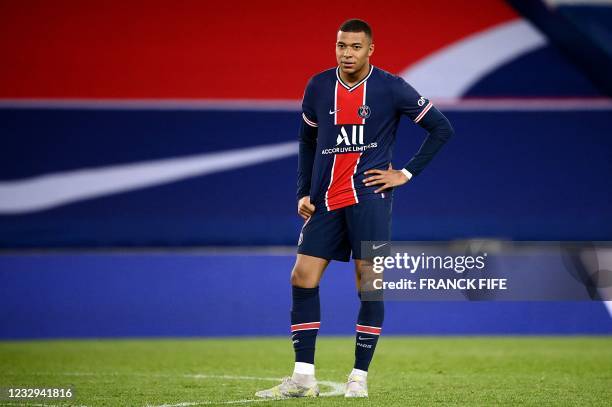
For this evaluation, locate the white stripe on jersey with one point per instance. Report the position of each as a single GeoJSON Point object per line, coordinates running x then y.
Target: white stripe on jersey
{"type": "Point", "coordinates": [309, 122]}
{"type": "Point", "coordinates": [331, 179]}
{"type": "Point", "coordinates": [353, 179]}
{"type": "Point", "coordinates": [423, 112]}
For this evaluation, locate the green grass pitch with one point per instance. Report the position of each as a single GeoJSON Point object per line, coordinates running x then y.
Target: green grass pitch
{"type": "Point", "coordinates": [406, 371]}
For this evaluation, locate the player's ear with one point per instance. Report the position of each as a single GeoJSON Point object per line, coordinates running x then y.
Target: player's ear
{"type": "Point", "coordinates": [371, 49]}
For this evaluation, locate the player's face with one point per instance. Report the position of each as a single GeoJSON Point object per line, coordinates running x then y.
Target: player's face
{"type": "Point", "coordinates": [353, 51]}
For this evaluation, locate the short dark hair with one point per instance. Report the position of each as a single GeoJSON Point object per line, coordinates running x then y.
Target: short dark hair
{"type": "Point", "coordinates": [355, 25]}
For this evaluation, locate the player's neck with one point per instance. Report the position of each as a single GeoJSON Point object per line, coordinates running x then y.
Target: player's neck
{"type": "Point", "coordinates": [352, 79]}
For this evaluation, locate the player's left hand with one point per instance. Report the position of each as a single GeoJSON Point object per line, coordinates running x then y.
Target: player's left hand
{"type": "Point", "coordinates": [388, 178]}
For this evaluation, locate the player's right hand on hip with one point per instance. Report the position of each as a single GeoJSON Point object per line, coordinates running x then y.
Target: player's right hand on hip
{"type": "Point", "coordinates": [305, 208]}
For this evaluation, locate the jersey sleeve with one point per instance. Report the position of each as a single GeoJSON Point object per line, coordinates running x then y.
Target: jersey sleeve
{"type": "Point", "coordinates": [422, 112]}
{"type": "Point", "coordinates": [439, 131]}
{"type": "Point", "coordinates": [309, 114]}
{"type": "Point", "coordinates": [408, 101]}
{"type": "Point", "coordinates": [307, 143]}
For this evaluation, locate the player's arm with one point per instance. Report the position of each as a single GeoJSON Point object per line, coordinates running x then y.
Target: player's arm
{"type": "Point", "coordinates": [306, 156]}
{"type": "Point", "coordinates": [306, 153]}
{"type": "Point", "coordinates": [423, 113]}
{"type": "Point", "coordinates": [439, 130]}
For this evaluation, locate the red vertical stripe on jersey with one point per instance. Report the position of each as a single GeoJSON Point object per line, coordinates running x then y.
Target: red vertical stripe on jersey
{"type": "Point", "coordinates": [341, 191]}
{"type": "Point", "coordinates": [347, 105]}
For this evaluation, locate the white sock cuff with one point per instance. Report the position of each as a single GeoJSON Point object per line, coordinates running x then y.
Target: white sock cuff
{"type": "Point", "coordinates": [359, 372]}
{"type": "Point", "coordinates": [304, 368]}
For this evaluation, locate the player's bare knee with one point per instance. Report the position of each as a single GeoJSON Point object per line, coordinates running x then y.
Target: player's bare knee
{"type": "Point", "coordinates": [363, 274]}
{"type": "Point", "coordinates": [301, 278]}
{"type": "Point", "coordinates": [296, 279]}
{"type": "Point", "coordinates": [361, 268]}
{"type": "Point", "coordinates": [307, 271]}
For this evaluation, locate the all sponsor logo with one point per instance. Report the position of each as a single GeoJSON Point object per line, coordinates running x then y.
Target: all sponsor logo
{"type": "Point", "coordinates": [350, 140]}
{"type": "Point", "coordinates": [356, 137]}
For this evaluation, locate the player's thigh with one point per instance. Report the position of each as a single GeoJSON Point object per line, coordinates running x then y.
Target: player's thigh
{"type": "Point", "coordinates": [307, 271]}
{"type": "Point", "coordinates": [325, 235]}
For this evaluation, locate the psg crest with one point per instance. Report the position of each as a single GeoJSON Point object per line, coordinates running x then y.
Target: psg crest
{"type": "Point", "coordinates": [364, 111]}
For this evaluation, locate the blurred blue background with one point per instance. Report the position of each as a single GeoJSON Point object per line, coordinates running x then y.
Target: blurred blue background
{"type": "Point", "coordinates": [155, 141]}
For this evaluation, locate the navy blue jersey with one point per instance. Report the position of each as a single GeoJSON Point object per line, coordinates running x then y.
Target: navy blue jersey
{"type": "Point", "coordinates": [351, 129]}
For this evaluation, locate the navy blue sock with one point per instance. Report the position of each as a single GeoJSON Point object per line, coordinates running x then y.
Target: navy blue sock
{"type": "Point", "coordinates": [369, 326]}
{"type": "Point", "coordinates": [305, 322]}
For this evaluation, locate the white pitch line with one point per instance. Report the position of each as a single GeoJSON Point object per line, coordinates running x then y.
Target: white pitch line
{"type": "Point", "coordinates": [203, 403]}
{"type": "Point", "coordinates": [336, 389]}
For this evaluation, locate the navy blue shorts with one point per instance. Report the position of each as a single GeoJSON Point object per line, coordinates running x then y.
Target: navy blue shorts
{"type": "Point", "coordinates": [333, 235]}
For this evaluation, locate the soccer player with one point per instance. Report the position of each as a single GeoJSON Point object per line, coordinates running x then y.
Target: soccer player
{"type": "Point", "coordinates": [350, 117]}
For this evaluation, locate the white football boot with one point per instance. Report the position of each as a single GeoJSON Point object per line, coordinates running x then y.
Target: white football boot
{"type": "Point", "coordinates": [357, 386]}
{"type": "Point", "coordinates": [289, 388]}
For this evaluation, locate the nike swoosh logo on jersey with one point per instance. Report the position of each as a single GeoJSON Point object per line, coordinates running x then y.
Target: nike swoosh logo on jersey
{"type": "Point", "coordinates": [61, 188]}
{"type": "Point", "coordinates": [365, 339]}
{"type": "Point", "coordinates": [374, 247]}
{"type": "Point", "coordinates": [333, 111]}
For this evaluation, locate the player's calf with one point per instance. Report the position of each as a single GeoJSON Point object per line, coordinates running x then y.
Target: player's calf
{"type": "Point", "coordinates": [305, 321]}
{"type": "Point", "coordinates": [369, 326]}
